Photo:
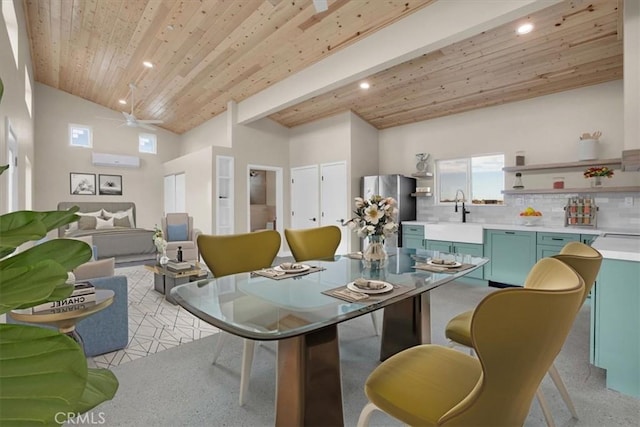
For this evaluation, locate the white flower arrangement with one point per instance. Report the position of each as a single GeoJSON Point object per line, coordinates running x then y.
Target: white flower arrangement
{"type": "Point", "coordinates": [158, 239]}
{"type": "Point", "coordinates": [374, 217]}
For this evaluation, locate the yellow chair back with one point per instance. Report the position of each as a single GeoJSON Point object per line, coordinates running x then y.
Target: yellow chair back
{"type": "Point", "coordinates": [585, 260]}
{"type": "Point", "coordinates": [238, 253]}
{"type": "Point", "coordinates": [517, 334]}
{"type": "Point", "coordinates": [313, 243]}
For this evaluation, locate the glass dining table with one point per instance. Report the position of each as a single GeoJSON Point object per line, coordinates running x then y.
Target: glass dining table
{"type": "Point", "coordinates": [303, 312]}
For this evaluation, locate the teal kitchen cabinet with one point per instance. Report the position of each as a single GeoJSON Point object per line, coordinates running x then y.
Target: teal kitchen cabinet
{"type": "Point", "coordinates": [472, 249]}
{"type": "Point", "coordinates": [549, 244]}
{"type": "Point", "coordinates": [413, 236]}
{"type": "Point", "coordinates": [587, 239]}
{"type": "Point", "coordinates": [511, 255]}
{"type": "Point", "coordinates": [615, 325]}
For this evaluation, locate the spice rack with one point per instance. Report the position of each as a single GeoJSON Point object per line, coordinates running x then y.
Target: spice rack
{"type": "Point", "coordinates": [580, 212]}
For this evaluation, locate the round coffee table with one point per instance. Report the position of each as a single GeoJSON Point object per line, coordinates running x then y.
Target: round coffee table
{"type": "Point", "coordinates": [66, 318]}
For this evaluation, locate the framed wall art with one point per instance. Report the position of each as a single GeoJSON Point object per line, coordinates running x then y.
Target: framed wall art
{"type": "Point", "coordinates": [83, 183]}
{"type": "Point", "coordinates": [110, 185]}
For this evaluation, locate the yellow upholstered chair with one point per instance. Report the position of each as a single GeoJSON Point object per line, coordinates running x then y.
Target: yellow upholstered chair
{"type": "Point", "coordinates": [586, 261]}
{"type": "Point", "coordinates": [317, 243]}
{"type": "Point", "coordinates": [517, 333]}
{"type": "Point", "coordinates": [313, 243]}
{"type": "Point", "coordinates": [238, 253]}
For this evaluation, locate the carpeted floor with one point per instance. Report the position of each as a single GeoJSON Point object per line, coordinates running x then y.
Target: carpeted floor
{"type": "Point", "coordinates": [180, 386]}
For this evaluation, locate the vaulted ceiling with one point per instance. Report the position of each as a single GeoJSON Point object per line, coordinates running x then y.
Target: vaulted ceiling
{"type": "Point", "coordinates": [206, 53]}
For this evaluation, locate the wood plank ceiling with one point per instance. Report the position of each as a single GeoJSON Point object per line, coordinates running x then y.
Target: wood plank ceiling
{"type": "Point", "coordinates": [208, 52]}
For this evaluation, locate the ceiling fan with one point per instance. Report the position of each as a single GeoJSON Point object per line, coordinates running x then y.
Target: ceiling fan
{"type": "Point", "coordinates": [132, 121]}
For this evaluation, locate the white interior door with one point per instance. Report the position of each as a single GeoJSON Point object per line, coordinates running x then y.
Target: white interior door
{"type": "Point", "coordinates": [169, 194]}
{"type": "Point", "coordinates": [305, 209]}
{"type": "Point", "coordinates": [333, 200]}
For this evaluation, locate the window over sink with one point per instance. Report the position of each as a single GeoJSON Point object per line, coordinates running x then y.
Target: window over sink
{"type": "Point", "coordinates": [480, 178]}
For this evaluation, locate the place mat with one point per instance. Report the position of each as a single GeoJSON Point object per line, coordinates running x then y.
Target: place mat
{"type": "Point", "coordinates": [279, 275]}
{"type": "Point", "coordinates": [435, 269]}
{"type": "Point", "coordinates": [345, 294]}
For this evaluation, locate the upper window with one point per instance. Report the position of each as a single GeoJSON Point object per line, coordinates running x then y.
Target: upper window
{"type": "Point", "coordinates": [147, 143]}
{"type": "Point", "coordinates": [480, 178]}
{"type": "Point", "coordinates": [80, 136]}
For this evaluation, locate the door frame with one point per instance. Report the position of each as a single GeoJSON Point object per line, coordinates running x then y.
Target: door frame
{"type": "Point", "coordinates": [279, 199]}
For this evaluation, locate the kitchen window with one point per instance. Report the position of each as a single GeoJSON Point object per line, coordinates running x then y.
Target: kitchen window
{"type": "Point", "coordinates": [480, 178]}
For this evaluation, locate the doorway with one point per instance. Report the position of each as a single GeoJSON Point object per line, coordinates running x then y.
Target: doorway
{"type": "Point", "coordinates": [265, 198]}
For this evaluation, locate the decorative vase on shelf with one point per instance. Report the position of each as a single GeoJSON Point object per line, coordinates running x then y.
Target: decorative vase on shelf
{"type": "Point", "coordinates": [596, 181]}
{"type": "Point", "coordinates": [375, 255]}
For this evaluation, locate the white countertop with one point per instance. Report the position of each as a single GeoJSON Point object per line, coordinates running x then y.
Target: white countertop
{"type": "Point", "coordinates": [540, 228]}
{"type": "Point", "coordinates": [620, 244]}
{"type": "Point", "coordinates": [618, 247]}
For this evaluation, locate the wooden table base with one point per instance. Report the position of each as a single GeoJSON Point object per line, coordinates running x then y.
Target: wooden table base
{"type": "Point", "coordinates": [309, 391]}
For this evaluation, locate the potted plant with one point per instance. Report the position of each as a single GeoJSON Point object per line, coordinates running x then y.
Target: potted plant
{"type": "Point", "coordinates": [43, 374]}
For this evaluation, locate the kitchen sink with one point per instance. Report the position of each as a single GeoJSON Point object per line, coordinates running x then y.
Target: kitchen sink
{"type": "Point", "coordinates": [454, 232]}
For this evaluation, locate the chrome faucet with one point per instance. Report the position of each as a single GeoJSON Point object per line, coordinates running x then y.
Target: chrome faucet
{"type": "Point", "coordinates": [464, 211]}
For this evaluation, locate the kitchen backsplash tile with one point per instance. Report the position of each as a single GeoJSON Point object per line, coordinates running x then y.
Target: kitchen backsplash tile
{"type": "Point", "coordinates": [613, 210]}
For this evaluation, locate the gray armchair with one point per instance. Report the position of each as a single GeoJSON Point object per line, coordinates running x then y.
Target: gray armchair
{"type": "Point", "coordinates": [179, 232]}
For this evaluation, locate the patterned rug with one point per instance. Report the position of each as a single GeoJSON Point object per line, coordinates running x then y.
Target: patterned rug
{"type": "Point", "coordinates": [154, 323]}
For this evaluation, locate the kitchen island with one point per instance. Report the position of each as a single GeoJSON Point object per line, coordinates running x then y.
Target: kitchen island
{"type": "Point", "coordinates": [615, 312]}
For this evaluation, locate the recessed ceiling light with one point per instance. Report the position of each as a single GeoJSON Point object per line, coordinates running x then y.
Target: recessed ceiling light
{"type": "Point", "coordinates": [525, 28]}
{"type": "Point", "coordinates": [147, 64]}
{"type": "Point", "coordinates": [122, 101]}
{"type": "Point", "coordinates": [364, 85]}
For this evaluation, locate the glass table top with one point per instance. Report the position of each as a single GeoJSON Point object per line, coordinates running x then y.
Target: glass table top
{"type": "Point", "coordinates": [263, 308]}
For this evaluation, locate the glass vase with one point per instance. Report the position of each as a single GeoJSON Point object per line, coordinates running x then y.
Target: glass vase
{"type": "Point", "coordinates": [164, 259]}
{"type": "Point", "coordinates": [375, 255]}
{"type": "Point", "coordinates": [596, 181]}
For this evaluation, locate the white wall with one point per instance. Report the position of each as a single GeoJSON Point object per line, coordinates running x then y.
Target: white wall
{"type": "Point", "coordinates": [200, 186]}
{"type": "Point", "coordinates": [323, 141]}
{"type": "Point", "coordinates": [364, 158]}
{"type": "Point", "coordinates": [55, 158]}
{"type": "Point", "coordinates": [211, 133]}
{"type": "Point", "coordinates": [13, 106]}
{"type": "Point", "coordinates": [547, 128]}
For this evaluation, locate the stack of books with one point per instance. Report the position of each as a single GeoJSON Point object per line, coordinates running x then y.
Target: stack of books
{"type": "Point", "coordinates": [179, 266]}
{"type": "Point", "coordinates": [83, 293]}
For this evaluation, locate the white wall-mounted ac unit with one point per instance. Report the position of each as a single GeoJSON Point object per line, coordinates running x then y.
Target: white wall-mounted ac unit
{"type": "Point", "coordinates": [115, 160]}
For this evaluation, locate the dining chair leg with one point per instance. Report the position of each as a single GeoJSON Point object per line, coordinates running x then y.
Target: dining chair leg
{"type": "Point", "coordinates": [545, 408]}
{"type": "Point", "coordinates": [245, 373]}
{"type": "Point", "coordinates": [222, 338]}
{"type": "Point", "coordinates": [375, 323]}
{"type": "Point", "coordinates": [365, 415]}
{"type": "Point", "coordinates": [557, 380]}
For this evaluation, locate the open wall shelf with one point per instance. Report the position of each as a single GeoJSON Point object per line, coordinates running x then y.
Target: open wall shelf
{"type": "Point", "coordinates": [550, 167]}
{"type": "Point", "coordinates": [629, 189]}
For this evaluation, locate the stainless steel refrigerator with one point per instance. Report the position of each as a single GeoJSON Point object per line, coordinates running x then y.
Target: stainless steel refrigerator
{"type": "Point", "coordinates": [400, 188]}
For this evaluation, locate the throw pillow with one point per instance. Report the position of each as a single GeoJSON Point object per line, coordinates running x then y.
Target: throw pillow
{"type": "Point", "coordinates": [120, 214]}
{"type": "Point", "coordinates": [177, 232]}
{"type": "Point", "coordinates": [121, 222]}
{"type": "Point", "coordinates": [74, 225]}
{"type": "Point", "coordinates": [104, 223]}
{"type": "Point", "coordinates": [87, 222]}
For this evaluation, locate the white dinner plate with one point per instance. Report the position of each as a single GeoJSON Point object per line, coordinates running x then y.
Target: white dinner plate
{"type": "Point", "coordinates": [305, 267]}
{"type": "Point", "coordinates": [457, 264]}
{"type": "Point", "coordinates": [387, 287]}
